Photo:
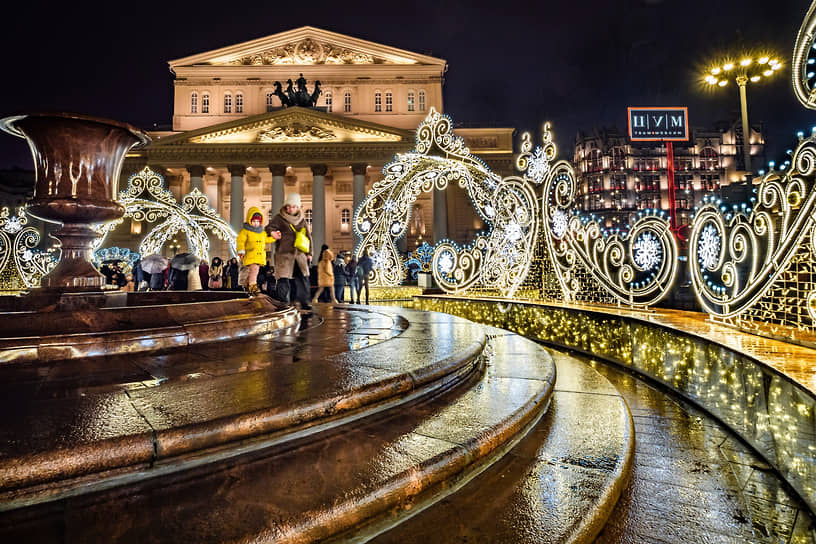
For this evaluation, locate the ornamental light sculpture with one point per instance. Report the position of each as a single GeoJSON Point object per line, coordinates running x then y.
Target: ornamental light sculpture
{"type": "Point", "coordinates": [743, 69]}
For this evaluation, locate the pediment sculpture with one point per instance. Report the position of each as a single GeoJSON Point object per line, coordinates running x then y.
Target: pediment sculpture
{"type": "Point", "coordinates": [296, 132]}
{"type": "Point", "coordinates": [307, 51]}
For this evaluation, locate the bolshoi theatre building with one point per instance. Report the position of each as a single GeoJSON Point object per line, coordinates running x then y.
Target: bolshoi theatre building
{"type": "Point", "coordinates": [307, 111]}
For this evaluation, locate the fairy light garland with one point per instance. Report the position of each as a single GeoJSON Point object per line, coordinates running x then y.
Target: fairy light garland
{"type": "Point", "coordinates": [146, 199]}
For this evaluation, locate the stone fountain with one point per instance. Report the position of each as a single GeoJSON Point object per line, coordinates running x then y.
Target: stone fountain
{"type": "Point", "coordinates": [78, 160]}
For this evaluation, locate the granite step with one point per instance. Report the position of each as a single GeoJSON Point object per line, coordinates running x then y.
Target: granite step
{"type": "Point", "coordinates": [347, 483]}
{"type": "Point", "coordinates": [95, 423]}
{"type": "Point", "coordinates": [559, 485]}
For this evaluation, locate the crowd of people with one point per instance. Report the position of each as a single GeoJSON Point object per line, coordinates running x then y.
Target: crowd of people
{"type": "Point", "coordinates": [289, 279]}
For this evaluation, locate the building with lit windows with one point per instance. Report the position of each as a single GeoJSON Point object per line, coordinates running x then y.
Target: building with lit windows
{"type": "Point", "coordinates": [233, 139]}
{"type": "Point", "coordinates": [619, 177]}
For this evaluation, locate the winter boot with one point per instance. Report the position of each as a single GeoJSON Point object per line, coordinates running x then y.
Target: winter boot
{"type": "Point", "coordinates": [253, 290]}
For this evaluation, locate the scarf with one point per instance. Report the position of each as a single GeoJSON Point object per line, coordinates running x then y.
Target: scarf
{"type": "Point", "coordinates": [293, 219]}
{"type": "Point", "coordinates": [250, 228]}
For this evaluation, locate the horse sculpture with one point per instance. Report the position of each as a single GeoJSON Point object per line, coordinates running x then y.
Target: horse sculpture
{"type": "Point", "coordinates": [300, 97]}
{"type": "Point", "coordinates": [281, 95]}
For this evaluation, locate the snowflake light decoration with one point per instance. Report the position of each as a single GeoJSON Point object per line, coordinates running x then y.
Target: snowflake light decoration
{"type": "Point", "coordinates": [446, 262]}
{"type": "Point", "coordinates": [647, 251]}
{"type": "Point", "coordinates": [560, 221]}
{"type": "Point", "coordinates": [708, 248]}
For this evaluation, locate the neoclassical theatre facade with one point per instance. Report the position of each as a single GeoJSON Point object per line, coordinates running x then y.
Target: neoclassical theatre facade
{"type": "Point", "coordinates": [243, 140]}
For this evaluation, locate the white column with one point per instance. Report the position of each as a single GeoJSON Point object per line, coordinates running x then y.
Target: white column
{"type": "Point", "coordinates": [318, 208]}
{"type": "Point", "coordinates": [278, 175]}
{"type": "Point", "coordinates": [237, 173]}
{"type": "Point", "coordinates": [196, 176]}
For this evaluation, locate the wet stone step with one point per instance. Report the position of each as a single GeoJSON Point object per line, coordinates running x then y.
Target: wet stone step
{"type": "Point", "coordinates": [347, 483]}
{"type": "Point", "coordinates": [559, 484]}
{"type": "Point", "coordinates": [112, 419]}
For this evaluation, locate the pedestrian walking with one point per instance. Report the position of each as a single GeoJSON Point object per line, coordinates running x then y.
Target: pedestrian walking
{"type": "Point", "coordinates": [293, 252]}
{"type": "Point", "coordinates": [325, 275]}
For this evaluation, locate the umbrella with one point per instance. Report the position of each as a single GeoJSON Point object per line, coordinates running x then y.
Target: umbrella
{"type": "Point", "coordinates": [184, 261]}
{"type": "Point", "coordinates": [153, 264]}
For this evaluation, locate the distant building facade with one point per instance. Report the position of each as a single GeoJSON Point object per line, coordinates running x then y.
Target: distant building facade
{"type": "Point", "coordinates": [234, 140]}
{"type": "Point", "coordinates": [618, 177]}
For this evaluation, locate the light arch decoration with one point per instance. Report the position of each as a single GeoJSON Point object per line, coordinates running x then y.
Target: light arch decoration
{"type": "Point", "coordinates": [22, 262]}
{"type": "Point", "coordinates": [497, 260]}
{"type": "Point", "coordinates": [804, 61]}
{"type": "Point", "coordinates": [755, 263]}
{"type": "Point", "coordinates": [635, 266]}
{"type": "Point", "coordinates": [146, 199]}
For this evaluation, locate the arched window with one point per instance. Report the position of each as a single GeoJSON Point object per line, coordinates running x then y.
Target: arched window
{"type": "Point", "coordinates": [308, 215]}
{"type": "Point", "coordinates": [389, 101]}
{"type": "Point", "coordinates": [377, 101]}
{"type": "Point", "coordinates": [239, 102]}
{"type": "Point", "coordinates": [421, 100]}
{"type": "Point", "coordinates": [270, 101]}
{"type": "Point", "coordinates": [194, 103]}
{"type": "Point", "coordinates": [411, 101]}
{"type": "Point", "coordinates": [328, 96]}
{"type": "Point", "coordinates": [709, 160]}
{"type": "Point", "coordinates": [347, 102]}
{"type": "Point", "coordinates": [227, 103]}
{"type": "Point", "coordinates": [205, 103]}
{"type": "Point", "coordinates": [345, 219]}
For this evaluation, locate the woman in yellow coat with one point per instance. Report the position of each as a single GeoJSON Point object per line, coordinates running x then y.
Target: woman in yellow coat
{"type": "Point", "coordinates": [251, 244]}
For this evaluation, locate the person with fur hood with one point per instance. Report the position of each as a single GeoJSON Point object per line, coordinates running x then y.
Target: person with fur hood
{"type": "Point", "coordinates": [291, 263]}
{"type": "Point", "coordinates": [251, 245]}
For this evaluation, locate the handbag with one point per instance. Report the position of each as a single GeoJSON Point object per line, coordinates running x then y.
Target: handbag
{"type": "Point", "coordinates": [301, 240]}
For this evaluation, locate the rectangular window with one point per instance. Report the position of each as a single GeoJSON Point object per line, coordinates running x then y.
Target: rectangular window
{"type": "Point", "coordinates": [205, 103]}
{"type": "Point", "coordinates": [377, 102]}
{"type": "Point", "coordinates": [239, 103]}
{"type": "Point", "coordinates": [421, 100]}
{"type": "Point", "coordinates": [411, 99]}
{"type": "Point", "coordinates": [347, 102]}
{"type": "Point", "coordinates": [227, 103]}
{"type": "Point", "coordinates": [194, 103]}
{"type": "Point", "coordinates": [329, 102]}
{"type": "Point", "coordinates": [389, 102]}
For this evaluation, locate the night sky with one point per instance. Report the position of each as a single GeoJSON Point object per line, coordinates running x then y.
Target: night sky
{"type": "Point", "coordinates": [577, 64]}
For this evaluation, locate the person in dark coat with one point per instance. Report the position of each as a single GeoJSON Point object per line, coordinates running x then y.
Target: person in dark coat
{"type": "Point", "coordinates": [364, 266]}
{"type": "Point", "coordinates": [291, 263]}
{"type": "Point", "coordinates": [177, 280]}
{"type": "Point", "coordinates": [339, 267]}
{"type": "Point", "coordinates": [204, 274]}
{"type": "Point", "coordinates": [232, 272]}
{"type": "Point", "coordinates": [351, 275]}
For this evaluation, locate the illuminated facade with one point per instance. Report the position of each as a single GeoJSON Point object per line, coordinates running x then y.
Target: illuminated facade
{"type": "Point", "coordinates": [232, 138]}
{"type": "Point", "coordinates": [618, 177]}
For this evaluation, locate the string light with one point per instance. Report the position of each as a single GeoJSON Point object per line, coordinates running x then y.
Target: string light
{"type": "Point", "coordinates": [22, 262]}
{"type": "Point", "coordinates": [498, 259]}
{"type": "Point", "coordinates": [146, 199]}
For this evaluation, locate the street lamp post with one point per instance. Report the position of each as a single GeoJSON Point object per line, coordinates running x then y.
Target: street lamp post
{"type": "Point", "coordinates": [746, 70]}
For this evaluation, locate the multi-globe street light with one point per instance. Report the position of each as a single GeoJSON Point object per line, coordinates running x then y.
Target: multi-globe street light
{"type": "Point", "coordinates": [746, 69]}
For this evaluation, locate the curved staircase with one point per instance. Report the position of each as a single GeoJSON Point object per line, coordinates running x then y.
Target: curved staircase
{"type": "Point", "coordinates": [380, 424]}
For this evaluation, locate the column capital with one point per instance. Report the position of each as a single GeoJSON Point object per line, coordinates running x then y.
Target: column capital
{"type": "Point", "coordinates": [359, 169]}
{"type": "Point", "coordinates": [236, 170]}
{"type": "Point", "coordinates": [319, 169]}
{"type": "Point", "coordinates": [196, 170]}
{"type": "Point", "coordinates": [277, 169]}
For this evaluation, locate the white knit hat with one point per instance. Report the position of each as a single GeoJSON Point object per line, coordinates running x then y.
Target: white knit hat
{"type": "Point", "coordinates": [292, 199]}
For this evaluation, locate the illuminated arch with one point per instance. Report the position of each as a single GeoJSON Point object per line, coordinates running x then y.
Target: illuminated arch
{"type": "Point", "coordinates": [496, 260]}
{"type": "Point", "coordinates": [146, 199]}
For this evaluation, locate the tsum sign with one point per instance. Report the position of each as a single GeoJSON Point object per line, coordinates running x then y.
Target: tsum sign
{"type": "Point", "coordinates": [658, 124]}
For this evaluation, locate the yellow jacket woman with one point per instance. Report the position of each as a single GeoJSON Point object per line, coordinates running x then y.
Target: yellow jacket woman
{"type": "Point", "coordinates": [251, 244]}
